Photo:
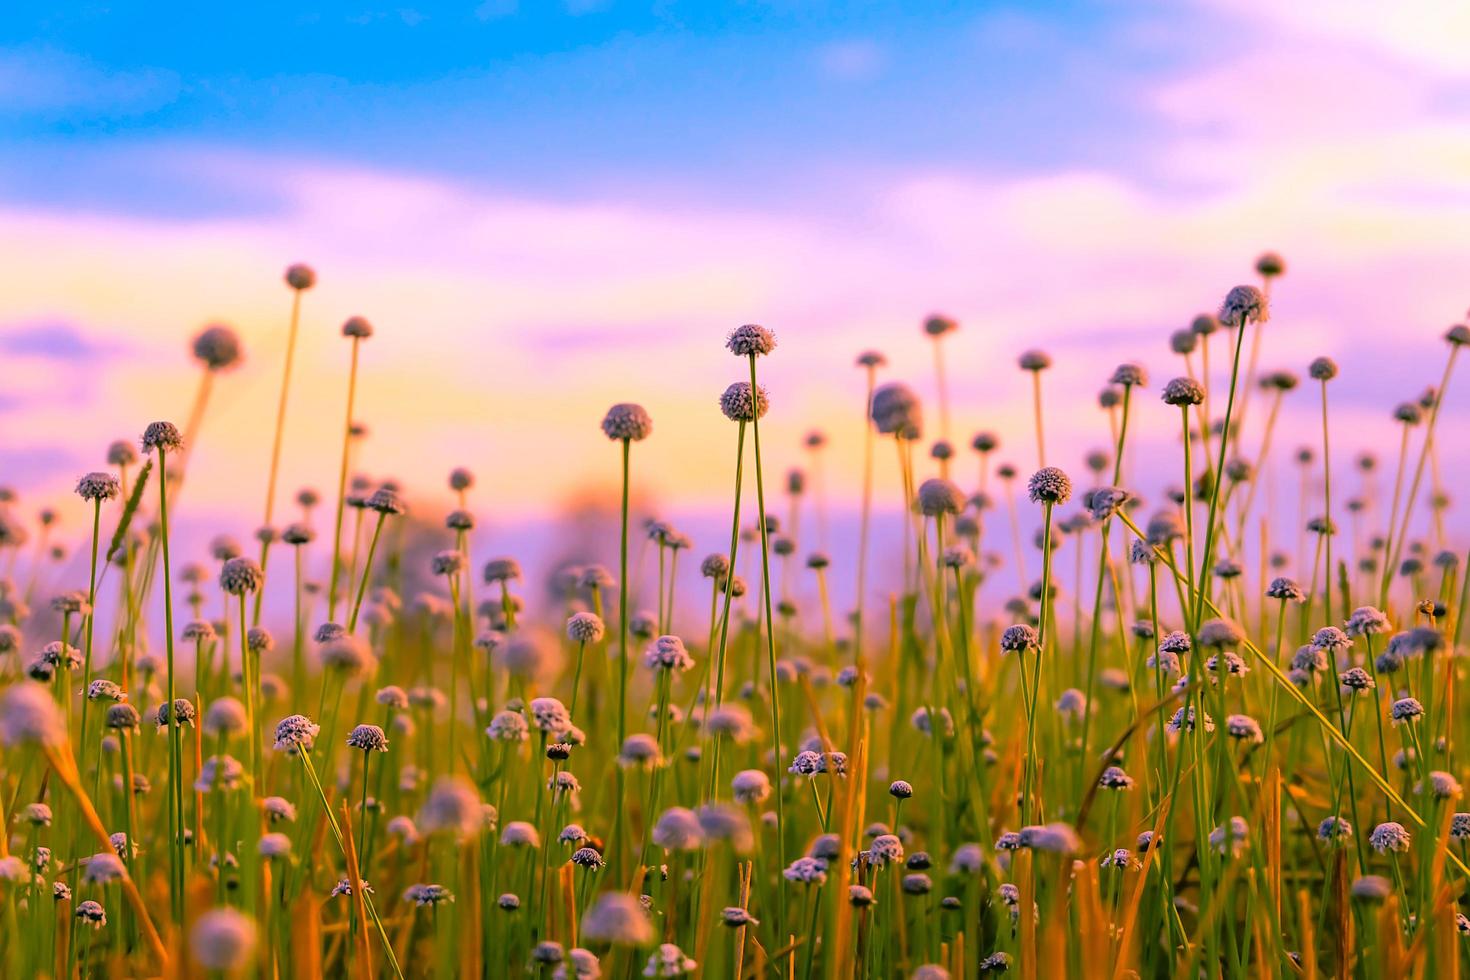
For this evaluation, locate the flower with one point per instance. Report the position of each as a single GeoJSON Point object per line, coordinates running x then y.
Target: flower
{"type": "Point", "coordinates": [1335, 831]}
{"type": "Point", "coordinates": [1405, 710]}
{"type": "Point", "coordinates": [1019, 638]}
{"type": "Point", "coordinates": [427, 895]}
{"type": "Point", "coordinates": [519, 833]}
{"type": "Point", "coordinates": [1244, 728]}
{"type": "Point", "coordinates": [1285, 589]}
{"type": "Point", "coordinates": [668, 653]}
{"type": "Point", "coordinates": [738, 406]}
{"type": "Point", "coordinates": [1390, 836]}
{"type": "Point", "coordinates": [295, 733]}
{"type": "Point", "coordinates": [217, 347]}
{"type": "Point", "coordinates": [1234, 834]}
{"type": "Point", "coordinates": [368, 738]}
{"type": "Point", "coordinates": [97, 487]}
{"type": "Point", "coordinates": [619, 919]}
{"type": "Point", "coordinates": [89, 911]}
{"type": "Point", "coordinates": [1049, 485]}
{"type": "Point", "coordinates": [240, 575]}
{"type": "Point", "coordinates": [678, 829]}
{"type": "Point", "coordinates": [1442, 786]}
{"type": "Point", "coordinates": [895, 408]}
{"type": "Point", "coordinates": [358, 328]}
{"type": "Point", "coordinates": [1130, 374]}
{"type": "Point", "coordinates": [669, 960]}
{"type": "Point", "coordinates": [628, 422]}
{"type": "Point", "coordinates": [28, 713]}
{"type": "Point", "coordinates": [1114, 777]}
{"type": "Point", "coordinates": [750, 340]}
{"type": "Point", "coordinates": [1371, 888]}
{"type": "Point", "coordinates": [750, 786]}
{"type": "Point", "coordinates": [1242, 305]}
{"type": "Point", "coordinates": [1183, 392]}
{"type": "Point", "coordinates": [585, 627]}
{"type": "Point", "coordinates": [103, 869]}
{"type": "Point", "coordinates": [938, 497]}
{"type": "Point", "coordinates": [453, 807]}
{"type": "Point", "coordinates": [162, 436]}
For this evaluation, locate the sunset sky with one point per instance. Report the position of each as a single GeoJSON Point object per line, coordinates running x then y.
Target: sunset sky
{"type": "Point", "coordinates": [548, 207]}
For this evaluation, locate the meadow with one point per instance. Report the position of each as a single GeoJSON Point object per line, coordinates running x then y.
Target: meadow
{"type": "Point", "coordinates": [1187, 736]}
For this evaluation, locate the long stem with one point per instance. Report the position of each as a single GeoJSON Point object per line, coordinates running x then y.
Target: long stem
{"type": "Point", "coordinates": [760, 501]}
{"type": "Point", "coordinates": [176, 773]}
{"type": "Point", "coordinates": [342, 484]}
{"type": "Point", "coordinates": [270, 486]}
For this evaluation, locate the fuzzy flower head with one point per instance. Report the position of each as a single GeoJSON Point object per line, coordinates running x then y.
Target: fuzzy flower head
{"type": "Point", "coordinates": [1405, 710]}
{"type": "Point", "coordinates": [896, 409]}
{"type": "Point", "coordinates": [1183, 392]}
{"type": "Point", "coordinates": [240, 575]}
{"type": "Point", "coordinates": [29, 714]}
{"type": "Point", "coordinates": [97, 487]}
{"type": "Point", "coordinates": [1049, 485]}
{"type": "Point", "coordinates": [1390, 836]}
{"type": "Point", "coordinates": [619, 919]}
{"type": "Point", "coordinates": [162, 436]}
{"type": "Point", "coordinates": [628, 422]}
{"type": "Point", "coordinates": [938, 497]}
{"type": "Point", "coordinates": [750, 340]}
{"type": "Point", "coordinates": [738, 405]}
{"type": "Point", "coordinates": [1244, 304]}
{"type": "Point", "coordinates": [668, 653]}
{"type": "Point", "coordinates": [217, 347]}
{"type": "Point", "coordinates": [368, 738]}
{"type": "Point", "coordinates": [295, 733]}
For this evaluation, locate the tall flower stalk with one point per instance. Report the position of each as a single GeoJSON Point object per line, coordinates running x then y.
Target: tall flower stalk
{"type": "Point", "coordinates": [357, 330]}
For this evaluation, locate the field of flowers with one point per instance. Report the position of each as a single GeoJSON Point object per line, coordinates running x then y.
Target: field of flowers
{"type": "Point", "coordinates": [1205, 741]}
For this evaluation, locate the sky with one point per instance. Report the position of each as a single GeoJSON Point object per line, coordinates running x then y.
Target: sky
{"type": "Point", "coordinates": [547, 207]}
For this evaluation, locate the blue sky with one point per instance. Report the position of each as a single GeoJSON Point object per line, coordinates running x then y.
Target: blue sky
{"type": "Point", "coordinates": [739, 103]}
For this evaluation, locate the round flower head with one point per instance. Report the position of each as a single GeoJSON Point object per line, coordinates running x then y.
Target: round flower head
{"type": "Point", "coordinates": [1034, 360]}
{"type": "Point", "coordinates": [1114, 777]}
{"type": "Point", "coordinates": [103, 869]}
{"type": "Point", "coordinates": [1183, 341]}
{"type": "Point", "coordinates": [121, 453]}
{"type": "Point", "coordinates": [300, 276]}
{"type": "Point", "coordinates": [508, 726]}
{"type": "Point", "coordinates": [1183, 720]}
{"type": "Point", "coordinates": [550, 715]}
{"type": "Point", "coordinates": [222, 939]}
{"type": "Point", "coordinates": [1270, 265]}
{"type": "Point", "coordinates": [1442, 786]}
{"type": "Point", "coordinates": [1242, 305]}
{"type": "Point", "coordinates": [368, 738]}
{"type": "Point", "coordinates": [619, 919]}
{"type": "Point", "coordinates": [1389, 836]}
{"type": "Point", "coordinates": [585, 627]}
{"type": "Point", "coordinates": [1285, 589]}
{"type": "Point", "coordinates": [668, 653]}
{"type": "Point", "coordinates": [295, 733]}
{"type": "Point", "coordinates": [1405, 710]}
{"type": "Point", "coordinates": [1220, 634]}
{"type": "Point", "coordinates": [452, 807]}
{"type": "Point", "coordinates": [183, 713]}
{"type": "Point", "coordinates": [1232, 836]}
{"type": "Point", "coordinates": [627, 421]}
{"type": "Point", "coordinates": [750, 786]}
{"type": "Point", "coordinates": [90, 912]}
{"type": "Point", "coordinates": [750, 340]}
{"type": "Point", "coordinates": [1371, 888]}
{"type": "Point", "coordinates": [97, 487]}
{"type": "Point", "coordinates": [279, 809]}
{"type": "Point", "coordinates": [895, 409]}
{"type": "Point", "coordinates": [871, 359]}
{"type": "Point", "coordinates": [938, 497]}
{"type": "Point", "coordinates": [225, 716]}
{"type": "Point", "coordinates": [385, 500]}
{"type": "Point", "coordinates": [217, 347]}
{"type": "Point", "coordinates": [1049, 485]}
{"type": "Point", "coordinates": [347, 655]}
{"type": "Point", "coordinates": [669, 961]}
{"type": "Point", "coordinates": [163, 436]}
{"type": "Point", "coordinates": [358, 328]}
{"type": "Point", "coordinates": [240, 575]}
{"type": "Point", "coordinates": [1322, 369]}
{"type": "Point", "coordinates": [1335, 831]}
{"type": "Point", "coordinates": [1130, 375]}
{"type": "Point", "coordinates": [1019, 638]}
{"type": "Point", "coordinates": [678, 829]}
{"type": "Point", "coordinates": [449, 562]}
{"type": "Point", "coordinates": [738, 406]}
{"type": "Point", "coordinates": [937, 325]}
{"type": "Point", "coordinates": [502, 570]}
{"type": "Point", "coordinates": [427, 896]}
{"type": "Point", "coordinates": [1183, 392]}
{"type": "Point", "coordinates": [28, 713]}
{"type": "Point", "coordinates": [1053, 838]}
